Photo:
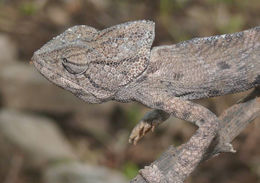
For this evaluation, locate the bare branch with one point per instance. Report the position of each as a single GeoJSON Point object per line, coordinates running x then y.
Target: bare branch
{"type": "Point", "coordinates": [233, 121]}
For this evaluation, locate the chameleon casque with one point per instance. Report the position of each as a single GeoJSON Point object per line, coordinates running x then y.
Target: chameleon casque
{"type": "Point", "coordinates": [119, 64]}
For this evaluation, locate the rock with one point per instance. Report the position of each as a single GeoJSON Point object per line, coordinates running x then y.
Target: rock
{"type": "Point", "coordinates": [38, 137]}
{"type": "Point", "coordinates": [81, 173]}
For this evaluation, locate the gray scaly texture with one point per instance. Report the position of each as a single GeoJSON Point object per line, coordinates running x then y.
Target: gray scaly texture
{"type": "Point", "coordinates": [118, 63]}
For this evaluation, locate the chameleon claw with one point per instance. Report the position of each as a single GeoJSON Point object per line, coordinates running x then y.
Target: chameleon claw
{"type": "Point", "coordinates": [140, 130]}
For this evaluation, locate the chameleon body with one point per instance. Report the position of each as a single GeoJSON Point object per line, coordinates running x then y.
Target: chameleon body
{"type": "Point", "coordinates": [119, 64]}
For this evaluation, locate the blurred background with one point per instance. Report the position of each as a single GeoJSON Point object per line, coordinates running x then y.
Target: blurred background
{"type": "Point", "coordinates": [47, 135]}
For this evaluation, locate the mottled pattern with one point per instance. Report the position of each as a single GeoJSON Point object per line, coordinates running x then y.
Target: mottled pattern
{"type": "Point", "coordinates": [99, 61]}
{"type": "Point", "coordinates": [207, 67]}
{"type": "Point", "coordinates": [198, 68]}
{"type": "Point", "coordinates": [117, 64]}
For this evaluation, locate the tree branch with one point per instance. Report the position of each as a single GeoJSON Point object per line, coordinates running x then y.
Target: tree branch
{"type": "Point", "coordinates": [233, 121]}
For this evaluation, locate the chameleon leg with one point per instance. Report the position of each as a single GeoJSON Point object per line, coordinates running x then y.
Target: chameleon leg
{"type": "Point", "coordinates": [192, 152]}
{"type": "Point", "coordinates": [150, 120]}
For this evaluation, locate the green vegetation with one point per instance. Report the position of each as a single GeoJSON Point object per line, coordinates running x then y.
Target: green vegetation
{"type": "Point", "coordinates": [130, 170]}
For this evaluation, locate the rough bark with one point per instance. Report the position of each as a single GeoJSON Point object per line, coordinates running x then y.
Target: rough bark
{"type": "Point", "coordinates": [233, 121]}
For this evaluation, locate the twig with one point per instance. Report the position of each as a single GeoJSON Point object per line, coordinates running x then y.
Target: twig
{"type": "Point", "coordinates": [233, 121]}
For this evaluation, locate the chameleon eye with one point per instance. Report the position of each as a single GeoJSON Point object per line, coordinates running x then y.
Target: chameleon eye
{"type": "Point", "coordinates": [73, 68]}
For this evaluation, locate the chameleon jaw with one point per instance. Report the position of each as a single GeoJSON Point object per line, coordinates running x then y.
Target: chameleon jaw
{"type": "Point", "coordinates": [64, 83]}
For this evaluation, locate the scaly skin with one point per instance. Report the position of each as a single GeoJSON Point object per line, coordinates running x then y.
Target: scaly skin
{"type": "Point", "coordinates": [118, 64]}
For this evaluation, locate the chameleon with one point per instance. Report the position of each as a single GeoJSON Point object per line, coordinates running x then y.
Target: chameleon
{"type": "Point", "coordinates": [120, 64]}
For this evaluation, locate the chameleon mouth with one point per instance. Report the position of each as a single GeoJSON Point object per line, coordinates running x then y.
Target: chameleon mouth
{"type": "Point", "coordinates": [49, 74]}
{"type": "Point", "coordinates": [63, 82]}
{"type": "Point", "coordinates": [36, 61]}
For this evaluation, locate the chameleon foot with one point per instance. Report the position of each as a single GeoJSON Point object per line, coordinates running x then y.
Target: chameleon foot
{"type": "Point", "coordinates": [140, 130]}
{"type": "Point", "coordinates": [148, 123]}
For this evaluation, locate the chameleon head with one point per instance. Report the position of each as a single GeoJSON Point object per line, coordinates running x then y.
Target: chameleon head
{"type": "Point", "coordinates": [93, 64]}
